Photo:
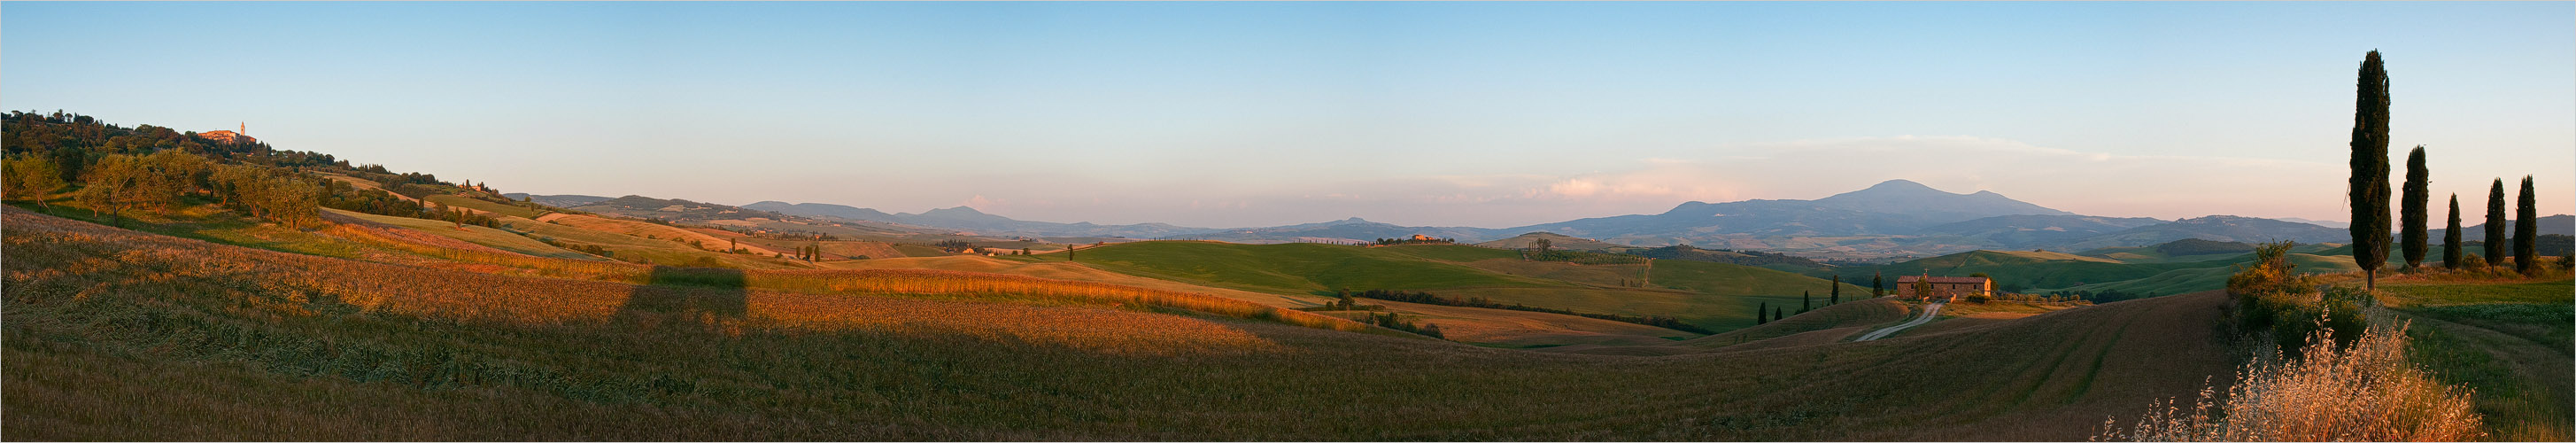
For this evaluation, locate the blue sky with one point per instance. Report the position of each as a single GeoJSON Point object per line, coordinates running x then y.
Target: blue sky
{"type": "Point", "coordinates": [1245, 114]}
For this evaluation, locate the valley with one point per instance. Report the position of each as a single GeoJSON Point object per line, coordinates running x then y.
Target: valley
{"type": "Point", "coordinates": [1286, 221]}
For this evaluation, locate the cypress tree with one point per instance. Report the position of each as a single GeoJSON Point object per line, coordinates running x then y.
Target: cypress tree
{"type": "Point", "coordinates": [1762, 313]}
{"type": "Point", "coordinates": [1779, 313]}
{"type": "Point", "coordinates": [2414, 208]}
{"type": "Point", "coordinates": [1806, 301]}
{"type": "Point", "coordinates": [2451, 237]}
{"type": "Point", "coordinates": [1877, 286]}
{"type": "Point", "coordinates": [2526, 234]}
{"type": "Point", "coordinates": [2368, 188]}
{"type": "Point", "coordinates": [1836, 292]}
{"type": "Point", "coordinates": [2495, 224]}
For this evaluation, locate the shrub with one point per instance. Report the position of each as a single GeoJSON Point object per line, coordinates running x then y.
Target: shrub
{"type": "Point", "coordinates": [2364, 392]}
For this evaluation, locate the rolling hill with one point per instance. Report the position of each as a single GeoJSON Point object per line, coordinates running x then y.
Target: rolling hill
{"type": "Point", "coordinates": [1890, 208]}
{"type": "Point", "coordinates": [375, 351]}
{"type": "Point", "coordinates": [2215, 227]}
{"type": "Point", "coordinates": [1761, 259]}
{"type": "Point", "coordinates": [1557, 241]}
{"type": "Point", "coordinates": [1717, 296]}
{"type": "Point", "coordinates": [638, 206]}
{"type": "Point", "coordinates": [2554, 224]}
{"type": "Point", "coordinates": [1350, 229]}
{"type": "Point", "coordinates": [2018, 271]}
{"type": "Point", "coordinates": [560, 201]}
{"type": "Point", "coordinates": [968, 219]}
{"type": "Point", "coordinates": [2024, 231]}
{"type": "Point", "coordinates": [1302, 268]}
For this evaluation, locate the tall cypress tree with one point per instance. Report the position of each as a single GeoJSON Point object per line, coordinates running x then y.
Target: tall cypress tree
{"type": "Point", "coordinates": [2526, 235]}
{"type": "Point", "coordinates": [2451, 237]}
{"type": "Point", "coordinates": [2368, 187]}
{"type": "Point", "coordinates": [1836, 296]}
{"type": "Point", "coordinates": [1877, 286]}
{"type": "Point", "coordinates": [2495, 224]}
{"type": "Point", "coordinates": [1762, 313]}
{"type": "Point", "coordinates": [2414, 209]}
{"type": "Point", "coordinates": [1806, 301]}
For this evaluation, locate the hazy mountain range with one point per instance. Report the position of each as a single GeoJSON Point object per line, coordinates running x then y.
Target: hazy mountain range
{"type": "Point", "coordinates": [1896, 218]}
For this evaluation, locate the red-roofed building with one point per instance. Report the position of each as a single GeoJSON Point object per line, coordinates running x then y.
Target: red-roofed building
{"type": "Point", "coordinates": [1947, 286]}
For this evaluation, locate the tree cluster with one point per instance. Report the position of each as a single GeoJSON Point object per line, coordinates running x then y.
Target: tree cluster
{"type": "Point", "coordinates": [1409, 241]}
{"type": "Point", "coordinates": [2368, 194]}
{"type": "Point", "coordinates": [1391, 321]}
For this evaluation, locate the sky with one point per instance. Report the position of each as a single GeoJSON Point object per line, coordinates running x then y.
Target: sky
{"type": "Point", "coordinates": [1259, 114]}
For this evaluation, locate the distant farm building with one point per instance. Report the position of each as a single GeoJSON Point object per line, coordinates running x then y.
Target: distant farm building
{"type": "Point", "coordinates": [1946, 286]}
{"type": "Point", "coordinates": [230, 136]}
{"type": "Point", "coordinates": [1420, 237]}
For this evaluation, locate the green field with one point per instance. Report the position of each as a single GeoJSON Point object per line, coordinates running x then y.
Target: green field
{"type": "Point", "coordinates": [1303, 268]}
{"type": "Point", "coordinates": [2439, 294]}
{"type": "Point", "coordinates": [2509, 341]}
{"type": "Point", "coordinates": [2190, 280]}
{"type": "Point", "coordinates": [1729, 279]}
{"type": "Point", "coordinates": [1717, 296]}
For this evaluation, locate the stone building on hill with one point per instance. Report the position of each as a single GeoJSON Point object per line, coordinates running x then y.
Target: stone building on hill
{"type": "Point", "coordinates": [1946, 286]}
{"type": "Point", "coordinates": [228, 137]}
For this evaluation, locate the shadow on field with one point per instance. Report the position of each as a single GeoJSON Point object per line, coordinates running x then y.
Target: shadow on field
{"type": "Point", "coordinates": [713, 293]}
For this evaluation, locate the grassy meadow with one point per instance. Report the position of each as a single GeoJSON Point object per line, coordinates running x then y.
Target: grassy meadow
{"type": "Point", "coordinates": [2509, 340]}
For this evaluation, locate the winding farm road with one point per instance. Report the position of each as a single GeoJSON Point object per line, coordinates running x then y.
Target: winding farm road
{"type": "Point", "coordinates": [1929, 312]}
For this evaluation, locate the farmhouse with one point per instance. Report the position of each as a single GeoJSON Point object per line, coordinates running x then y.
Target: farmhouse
{"type": "Point", "coordinates": [1947, 286]}
{"type": "Point", "coordinates": [1420, 237]}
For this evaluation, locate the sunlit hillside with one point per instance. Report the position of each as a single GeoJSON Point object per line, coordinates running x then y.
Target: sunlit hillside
{"type": "Point", "coordinates": [405, 352]}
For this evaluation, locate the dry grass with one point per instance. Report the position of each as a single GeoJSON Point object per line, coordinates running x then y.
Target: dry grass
{"type": "Point", "coordinates": [923, 281]}
{"type": "Point", "coordinates": [811, 281]}
{"type": "Point", "coordinates": [678, 236]}
{"type": "Point", "coordinates": [2365, 392]}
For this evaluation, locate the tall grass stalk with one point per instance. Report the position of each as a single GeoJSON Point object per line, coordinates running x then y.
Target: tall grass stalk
{"type": "Point", "coordinates": [2363, 392]}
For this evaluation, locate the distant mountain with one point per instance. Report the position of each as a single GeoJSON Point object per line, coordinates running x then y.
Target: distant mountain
{"type": "Point", "coordinates": [963, 218]}
{"type": "Point", "coordinates": [2223, 228]}
{"type": "Point", "coordinates": [1350, 229]}
{"type": "Point", "coordinates": [2555, 224]}
{"type": "Point", "coordinates": [2023, 231]}
{"type": "Point", "coordinates": [560, 201]}
{"type": "Point", "coordinates": [1895, 207]}
{"type": "Point", "coordinates": [821, 210]}
{"type": "Point", "coordinates": [2325, 223]}
{"type": "Point", "coordinates": [1905, 197]}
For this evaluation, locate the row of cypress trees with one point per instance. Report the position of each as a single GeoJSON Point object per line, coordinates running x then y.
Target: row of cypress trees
{"type": "Point", "coordinates": [2368, 191]}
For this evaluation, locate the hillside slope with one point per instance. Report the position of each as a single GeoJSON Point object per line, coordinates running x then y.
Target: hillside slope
{"type": "Point", "coordinates": [1717, 296]}
{"type": "Point", "coordinates": [277, 346]}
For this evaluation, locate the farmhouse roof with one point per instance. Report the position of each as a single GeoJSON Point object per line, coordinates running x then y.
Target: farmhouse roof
{"type": "Point", "coordinates": [1911, 279]}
